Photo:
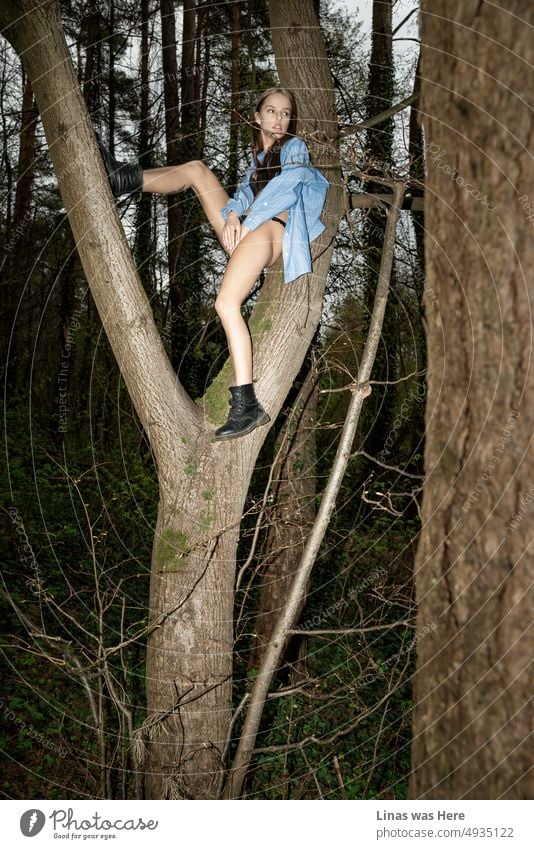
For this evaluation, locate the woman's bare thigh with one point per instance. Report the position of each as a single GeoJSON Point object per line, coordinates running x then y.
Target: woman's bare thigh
{"type": "Point", "coordinates": [258, 249]}
{"type": "Point", "coordinates": [212, 196]}
{"type": "Point", "coordinates": [191, 175]}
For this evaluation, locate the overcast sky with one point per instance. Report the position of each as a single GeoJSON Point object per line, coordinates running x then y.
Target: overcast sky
{"type": "Point", "coordinates": [363, 11]}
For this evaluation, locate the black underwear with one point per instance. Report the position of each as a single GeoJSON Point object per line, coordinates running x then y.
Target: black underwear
{"type": "Point", "coordinates": [274, 218]}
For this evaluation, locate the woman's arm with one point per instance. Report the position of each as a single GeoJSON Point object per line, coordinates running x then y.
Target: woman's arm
{"type": "Point", "coordinates": [242, 198]}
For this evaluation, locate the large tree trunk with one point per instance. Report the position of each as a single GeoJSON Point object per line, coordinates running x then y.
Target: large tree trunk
{"type": "Point", "coordinates": [202, 484]}
{"type": "Point", "coordinates": [473, 720]}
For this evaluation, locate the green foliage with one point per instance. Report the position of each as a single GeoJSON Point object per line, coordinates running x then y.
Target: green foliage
{"type": "Point", "coordinates": [76, 561]}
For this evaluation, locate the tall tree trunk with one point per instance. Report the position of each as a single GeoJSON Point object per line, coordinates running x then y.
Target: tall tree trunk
{"type": "Point", "coordinates": [235, 120]}
{"type": "Point", "coordinates": [186, 284]}
{"type": "Point", "coordinates": [173, 134]}
{"type": "Point", "coordinates": [417, 167]}
{"type": "Point", "coordinates": [111, 74]}
{"type": "Point", "coordinates": [474, 684]}
{"type": "Point", "coordinates": [17, 238]}
{"type": "Point", "coordinates": [203, 484]}
{"type": "Point", "coordinates": [6, 214]}
{"type": "Point", "coordinates": [91, 80]}
{"type": "Point", "coordinates": [378, 412]}
{"type": "Point", "coordinates": [25, 168]}
{"type": "Point", "coordinates": [415, 419]}
{"type": "Point", "coordinates": [143, 245]}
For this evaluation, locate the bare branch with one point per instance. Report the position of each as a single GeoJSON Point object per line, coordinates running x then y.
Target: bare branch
{"type": "Point", "coordinates": [404, 622]}
{"type": "Point", "coordinates": [372, 201]}
{"type": "Point", "coordinates": [378, 119]}
{"type": "Point", "coordinates": [378, 462]}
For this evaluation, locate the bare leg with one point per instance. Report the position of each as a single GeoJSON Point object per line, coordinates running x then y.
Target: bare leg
{"type": "Point", "coordinates": [257, 250]}
{"type": "Point", "coordinates": [191, 175]}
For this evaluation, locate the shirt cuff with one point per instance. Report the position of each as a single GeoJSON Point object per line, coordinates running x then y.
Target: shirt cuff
{"type": "Point", "coordinates": [230, 207]}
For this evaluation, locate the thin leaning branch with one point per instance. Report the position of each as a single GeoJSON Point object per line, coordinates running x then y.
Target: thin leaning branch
{"type": "Point", "coordinates": [405, 623]}
{"type": "Point", "coordinates": [390, 468]}
{"type": "Point", "coordinates": [245, 748]}
{"type": "Point", "coordinates": [365, 200]}
{"type": "Point", "coordinates": [379, 119]}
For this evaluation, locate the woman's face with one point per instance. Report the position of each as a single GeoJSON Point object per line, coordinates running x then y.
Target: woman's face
{"type": "Point", "coordinates": [274, 117]}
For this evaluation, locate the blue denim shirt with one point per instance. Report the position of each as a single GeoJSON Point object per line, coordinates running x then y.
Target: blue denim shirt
{"type": "Point", "coordinates": [301, 189]}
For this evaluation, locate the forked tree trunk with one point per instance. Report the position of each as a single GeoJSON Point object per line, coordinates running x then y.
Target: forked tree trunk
{"type": "Point", "coordinates": [475, 571]}
{"type": "Point", "coordinates": [202, 484]}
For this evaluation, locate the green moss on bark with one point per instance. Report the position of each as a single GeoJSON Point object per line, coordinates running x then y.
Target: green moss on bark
{"type": "Point", "coordinates": [261, 321]}
{"type": "Point", "coordinates": [205, 523]}
{"type": "Point", "coordinates": [216, 399]}
{"type": "Point", "coordinates": [172, 549]}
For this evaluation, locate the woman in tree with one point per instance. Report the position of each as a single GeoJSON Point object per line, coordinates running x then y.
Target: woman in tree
{"type": "Point", "coordinates": [275, 211]}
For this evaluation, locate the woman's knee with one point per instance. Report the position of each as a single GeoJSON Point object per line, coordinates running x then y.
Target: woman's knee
{"type": "Point", "coordinates": [198, 169]}
{"type": "Point", "coordinates": [226, 304]}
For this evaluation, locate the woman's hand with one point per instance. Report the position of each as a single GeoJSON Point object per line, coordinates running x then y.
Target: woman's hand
{"type": "Point", "coordinates": [243, 233]}
{"type": "Point", "coordinates": [231, 233]}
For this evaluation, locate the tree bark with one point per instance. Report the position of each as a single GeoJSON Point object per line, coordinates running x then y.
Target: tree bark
{"type": "Point", "coordinates": [203, 484]}
{"type": "Point", "coordinates": [474, 570]}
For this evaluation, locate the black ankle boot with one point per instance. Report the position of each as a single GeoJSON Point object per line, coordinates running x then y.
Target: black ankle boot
{"type": "Point", "coordinates": [246, 413]}
{"type": "Point", "coordinates": [124, 179]}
